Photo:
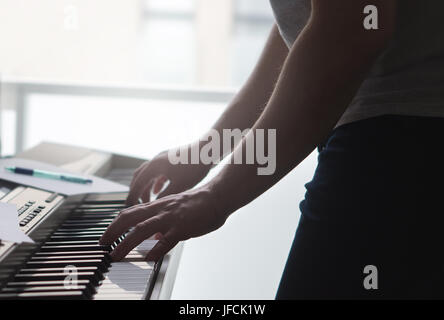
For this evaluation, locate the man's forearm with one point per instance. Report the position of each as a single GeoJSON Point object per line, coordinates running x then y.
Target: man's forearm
{"type": "Point", "coordinates": [320, 77]}
{"type": "Point", "coordinates": [248, 104]}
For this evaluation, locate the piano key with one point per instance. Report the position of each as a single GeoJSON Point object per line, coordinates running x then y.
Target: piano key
{"type": "Point", "coordinates": [119, 296]}
{"type": "Point", "coordinates": [85, 247]}
{"type": "Point", "coordinates": [86, 291]}
{"type": "Point", "coordinates": [83, 225]}
{"type": "Point", "coordinates": [100, 206]}
{"type": "Point", "coordinates": [96, 211]}
{"type": "Point", "coordinates": [104, 202]}
{"type": "Point", "coordinates": [91, 276]}
{"type": "Point", "coordinates": [58, 269]}
{"type": "Point", "coordinates": [63, 263]}
{"type": "Point", "coordinates": [75, 237]}
{"type": "Point", "coordinates": [103, 264]}
{"type": "Point", "coordinates": [68, 253]}
{"type": "Point", "coordinates": [44, 283]}
{"type": "Point", "coordinates": [68, 295]}
{"type": "Point", "coordinates": [75, 257]}
{"type": "Point", "coordinates": [76, 233]}
{"type": "Point", "coordinates": [146, 245]}
{"type": "Point", "coordinates": [42, 289]}
{"type": "Point", "coordinates": [86, 229]}
{"type": "Point", "coordinates": [93, 217]}
{"type": "Point", "coordinates": [70, 242]}
{"type": "Point", "coordinates": [105, 260]}
{"type": "Point", "coordinates": [125, 280]}
{"type": "Point", "coordinates": [104, 199]}
{"type": "Point", "coordinates": [89, 221]}
{"type": "Point", "coordinates": [79, 233]}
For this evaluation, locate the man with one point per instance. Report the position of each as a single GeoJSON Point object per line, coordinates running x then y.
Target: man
{"type": "Point", "coordinates": [365, 90]}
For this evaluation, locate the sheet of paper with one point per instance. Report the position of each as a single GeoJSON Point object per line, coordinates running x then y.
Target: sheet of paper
{"type": "Point", "coordinates": [9, 225]}
{"type": "Point", "coordinates": [99, 185]}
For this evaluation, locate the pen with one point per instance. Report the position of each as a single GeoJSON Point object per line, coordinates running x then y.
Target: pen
{"type": "Point", "coordinates": [48, 175]}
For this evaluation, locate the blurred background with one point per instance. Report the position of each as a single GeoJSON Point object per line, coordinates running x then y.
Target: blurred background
{"type": "Point", "coordinates": [137, 77]}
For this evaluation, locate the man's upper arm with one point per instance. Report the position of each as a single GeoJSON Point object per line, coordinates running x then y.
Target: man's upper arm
{"type": "Point", "coordinates": [347, 18]}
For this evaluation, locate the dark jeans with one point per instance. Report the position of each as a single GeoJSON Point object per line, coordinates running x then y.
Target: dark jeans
{"type": "Point", "coordinates": [376, 199]}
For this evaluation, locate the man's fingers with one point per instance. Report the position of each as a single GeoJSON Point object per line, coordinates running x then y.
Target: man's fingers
{"type": "Point", "coordinates": [137, 174]}
{"type": "Point", "coordinates": [137, 171]}
{"type": "Point", "coordinates": [141, 232]}
{"type": "Point", "coordinates": [146, 194]}
{"type": "Point", "coordinates": [159, 183]}
{"type": "Point", "coordinates": [127, 219]}
{"type": "Point", "coordinates": [172, 188]}
{"type": "Point", "coordinates": [165, 244]}
{"type": "Point", "coordinates": [139, 184]}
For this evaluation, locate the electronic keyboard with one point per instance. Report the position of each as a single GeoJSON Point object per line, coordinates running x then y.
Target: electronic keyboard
{"type": "Point", "coordinates": [66, 260]}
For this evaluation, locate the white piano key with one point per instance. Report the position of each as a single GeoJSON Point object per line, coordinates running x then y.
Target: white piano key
{"type": "Point", "coordinates": [118, 296]}
{"type": "Point", "coordinates": [127, 279]}
{"type": "Point", "coordinates": [146, 245]}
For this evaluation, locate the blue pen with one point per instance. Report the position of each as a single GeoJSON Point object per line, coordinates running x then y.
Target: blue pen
{"type": "Point", "coordinates": [48, 175]}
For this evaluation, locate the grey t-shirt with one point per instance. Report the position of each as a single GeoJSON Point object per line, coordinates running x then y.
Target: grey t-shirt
{"type": "Point", "coordinates": [408, 77]}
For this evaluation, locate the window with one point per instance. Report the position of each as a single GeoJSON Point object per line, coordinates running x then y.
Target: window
{"type": "Point", "coordinates": [179, 42]}
{"type": "Point", "coordinates": [185, 43]}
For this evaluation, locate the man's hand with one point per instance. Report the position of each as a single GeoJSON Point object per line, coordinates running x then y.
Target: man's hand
{"type": "Point", "coordinates": [152, 175]}
{"type": "Point", "coordinates": [177, 217]}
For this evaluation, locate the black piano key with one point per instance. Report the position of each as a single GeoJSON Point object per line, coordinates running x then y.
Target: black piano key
{"type": "Point", "coordinates": [93, 217]}
{"type": "Point", "coordinates": [70, 242]}
{"type": "Point", "coordinates": [75, 234]}
{"type": "Point", "coordinates": [102, 265]}
{"type": "Point", "coordinates": [97, 210]}
{"type": "Point", "coordinates": [84, 225]}
{"type": "Point", "coordinates": [88, 204]}
{"type": "Point", "coordinates": [71, 253]}
{"type": "Point", "coordinates": [76, 242]}
{"type": "Point", "coordinates": [94, 211]}
{"type": "Point", "coordinates": [68, 257]}
{"type": "Point", "coordinates": [88, 221]}
{"type": "Point", "coordinates": [78, 232]}
{"type": "Point", "coordinates": [91, 276]}
{"type": "Point", "coordinates": [58, 269]}
{"type": "Point", "coordinates": [85, 247]}
{"type": "Point", "coordinates": [102, 204]}
{"type": "Point", "coordinates": [53, 295]}
{"type": "Point", "coordinates": [105, 257]}
{"type": "Point", "coordinates": [105, 201]}
{"type": "Point", "coordinates": [103, 253]}
{"type": "Point", "coordinates": [75, 237]}
{"type": "Point", "coordinates": [85, 229]}
{"type": "Point", "coordinates": [93, 207]}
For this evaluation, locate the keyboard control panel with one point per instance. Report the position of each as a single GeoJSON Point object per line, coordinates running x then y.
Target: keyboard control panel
{"type": "Point", "coordinates": [32, 205]}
